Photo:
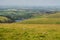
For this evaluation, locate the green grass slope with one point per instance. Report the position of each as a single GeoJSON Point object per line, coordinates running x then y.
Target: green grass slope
{"type": "Point", "coordinates": [45, 19]}
{"type": "Point", "coordinates": [56, 15]}
{"type": "Point", "coordinates": [53, 15]}
{"type": "Point", "coordinates": [29, 32]}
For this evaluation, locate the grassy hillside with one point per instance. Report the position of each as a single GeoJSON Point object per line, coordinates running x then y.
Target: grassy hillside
{"type": "Point", "coordinates": [39, 27]}
{"type": "Point", "coordinates": [44, 19]}
{"type": "Point", "coordinates": [29, 32]}
{"type": "Point", "coordinates": [55, 15]}
{"type": "Point", "coordinates": [41, 21]}
{"type": "Point", "coordinates": [46, 15]}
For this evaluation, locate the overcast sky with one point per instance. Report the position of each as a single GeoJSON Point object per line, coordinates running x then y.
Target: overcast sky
{"type": "Point", "coordinates": [30, 2]}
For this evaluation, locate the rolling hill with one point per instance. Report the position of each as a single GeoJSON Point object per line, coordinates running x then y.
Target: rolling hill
{"type": "Point", "coordinates": [44, 19]}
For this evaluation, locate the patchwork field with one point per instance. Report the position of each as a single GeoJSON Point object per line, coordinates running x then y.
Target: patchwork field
{"type": "Point", "coordinates": [17, 31]}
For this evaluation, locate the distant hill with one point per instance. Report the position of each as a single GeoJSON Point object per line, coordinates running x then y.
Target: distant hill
{"type": "Point", "coordinates": [56, 15]}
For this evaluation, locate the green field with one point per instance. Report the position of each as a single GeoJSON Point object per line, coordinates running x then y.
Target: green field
{"type": "Point", "coordinates": [29, 31]}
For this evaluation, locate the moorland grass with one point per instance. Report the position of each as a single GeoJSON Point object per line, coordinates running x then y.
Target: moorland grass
{"type": "Point", "coordinates": [29, 31]}
{"type": "Point", "coordinates": [41, 21]}
{"type": "Point", "coordinates": [44, 19]}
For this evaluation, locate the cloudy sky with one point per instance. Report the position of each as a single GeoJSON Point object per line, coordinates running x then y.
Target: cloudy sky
{"type": "Point", "coordinates": [30, 2]}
